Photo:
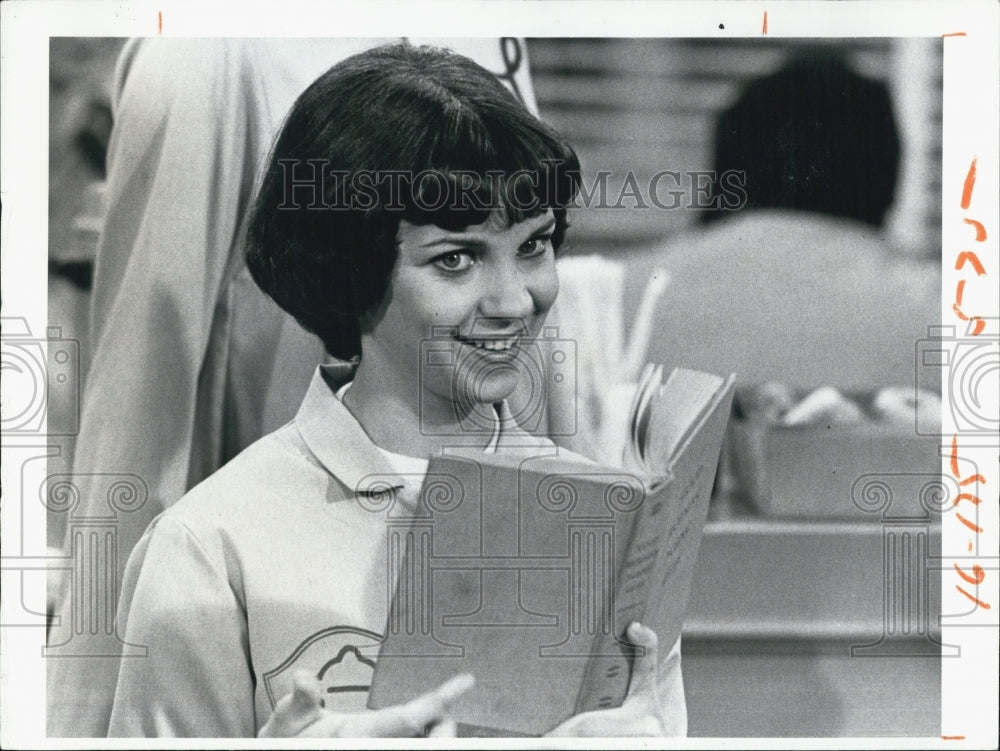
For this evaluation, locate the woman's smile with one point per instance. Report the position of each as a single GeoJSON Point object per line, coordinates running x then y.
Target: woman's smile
{"type": "Point", "coordinates": [488, 287]}
{"type": "Point", "coordinates": [495, 344]}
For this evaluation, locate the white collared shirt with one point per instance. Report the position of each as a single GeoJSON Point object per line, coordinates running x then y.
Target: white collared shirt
{"type": "Point", "coordinates": [276, 563]}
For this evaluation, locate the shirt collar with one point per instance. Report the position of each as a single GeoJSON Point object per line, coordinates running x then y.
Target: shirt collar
{"type": "Point", "coordinates": [342, 446]}
{"type": "Point", "coordinates": [334, 435]}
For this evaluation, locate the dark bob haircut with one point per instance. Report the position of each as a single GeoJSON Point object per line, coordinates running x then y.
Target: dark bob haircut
{"type": "Point", "coordinates": [814, 136]}
{"type": "Point", "coordinates": [396, 132]}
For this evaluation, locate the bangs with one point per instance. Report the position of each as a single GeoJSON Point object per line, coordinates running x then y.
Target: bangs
{"type": "Point", "coordinates": [474, 165]}
{"type": "Point", "coordinates": [454, 199]}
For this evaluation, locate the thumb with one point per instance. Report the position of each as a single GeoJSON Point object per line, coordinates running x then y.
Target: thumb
{"type": "Point", "coordinates": [305, 694]}
{"type": "Point", "coordinates": [447, 728]}
{"type": "Point", "coordinates": [642, 686]}
{"type": "Point", "coordinates": [411, 719]}
{"type": "Point", "coordinates": [295, 711]}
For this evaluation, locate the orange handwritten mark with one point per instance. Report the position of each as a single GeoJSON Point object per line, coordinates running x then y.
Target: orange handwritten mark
{"type": "Point", "coordinates": [971, 525]}
{"type": "Point", "coordinates": [763, 29]}
{"type": "Point", "coordinates": [973, 499]}
{"type": "Point", "coordinates": [968, 255]}
{"type": "Point", "coordinates": [980, 323]}
{"type": "Point", "coordinates": [955, 34]}
{"type": "Point", "coordinates": [970, 546]}
{"type": "Point", "coordinates": [954, 466]}
{"type": "Point", "coordinates": [980, 603]}
{"type": "Point", "coordinates": [959, 292]}
{"type": "Point", "coordinates": [159, 22]}
{"type": "Point", "coordinates": [970, 181]}
{"type": "Point", "coordinates": [971, 479]}
{"type": "Point", "coordinates": [977, 574]}
{"type": "Point", "coordinates": [980, 229]}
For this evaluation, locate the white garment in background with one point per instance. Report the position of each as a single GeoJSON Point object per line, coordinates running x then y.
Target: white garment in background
{"type": "Point", "coordinates": [191, 362]}
{"type": "Point", "coordinates": [790, 296]}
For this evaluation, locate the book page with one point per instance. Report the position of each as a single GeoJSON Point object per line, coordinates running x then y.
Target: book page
{"type": "Point", "coordinates": [641, 412]}
{"type": "Point", "coordinates": [675, 412]}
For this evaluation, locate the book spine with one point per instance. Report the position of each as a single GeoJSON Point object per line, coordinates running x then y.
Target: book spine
{"type": "Point", "coordinates": [606, 677]}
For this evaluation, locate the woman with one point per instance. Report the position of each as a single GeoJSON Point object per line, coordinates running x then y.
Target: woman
{"type": "Point", "coordinates": [229, 365]}
{"type": "Point", "coordinates": [261, 595]}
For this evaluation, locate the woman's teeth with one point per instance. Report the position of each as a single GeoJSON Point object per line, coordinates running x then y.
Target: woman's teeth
{"type": "Point", "coordinates": [494, 345]}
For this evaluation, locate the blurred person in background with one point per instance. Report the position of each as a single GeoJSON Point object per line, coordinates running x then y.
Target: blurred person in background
{"type": "Point", "coordinates": [189, 362]}
{"type": "Point", "coordinates": [792, 276]}
{"type": "Point", "coordinates": [79, 128]}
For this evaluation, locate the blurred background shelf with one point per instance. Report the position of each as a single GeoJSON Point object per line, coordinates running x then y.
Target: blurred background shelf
{"type": "Point", "coordinates": [791, 626]}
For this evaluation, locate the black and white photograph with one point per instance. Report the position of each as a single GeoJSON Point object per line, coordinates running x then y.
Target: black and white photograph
{"type": "Point", "coordinates": [564, 370]}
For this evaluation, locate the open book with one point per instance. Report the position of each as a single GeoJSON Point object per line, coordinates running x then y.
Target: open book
{"type": "Point", "coordinates": [525, 570]}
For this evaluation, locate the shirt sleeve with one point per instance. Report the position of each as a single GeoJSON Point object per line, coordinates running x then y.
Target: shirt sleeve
{"type": "Point", "coordinates": [671, 690]}
{"type": "Point", "coordinates": [196, 679]}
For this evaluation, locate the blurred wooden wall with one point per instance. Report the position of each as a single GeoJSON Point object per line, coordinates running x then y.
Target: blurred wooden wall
{"type": "Point", "coordinates": [647, 105]}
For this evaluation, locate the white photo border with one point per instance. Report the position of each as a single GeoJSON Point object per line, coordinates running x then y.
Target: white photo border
{"type": "Point", "coordinates": [971, 86]}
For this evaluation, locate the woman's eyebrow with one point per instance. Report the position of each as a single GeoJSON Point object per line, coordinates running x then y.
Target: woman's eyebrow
{"type": "Point", "coordinates": [474, 241]}
{"type": "Point", "coordinates": [464, 240]}
{"type": "Point", "coordinates": [550, 224]}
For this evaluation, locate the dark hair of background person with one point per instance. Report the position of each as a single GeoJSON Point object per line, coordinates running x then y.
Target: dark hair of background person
{"type": "Point", "coordinates": [393, 108]}
{"type": "Point", "coordinates": [814, 136]}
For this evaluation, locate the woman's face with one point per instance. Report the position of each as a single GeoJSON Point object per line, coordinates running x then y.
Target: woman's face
{"type": "Point", "coordinates": [459, 306]}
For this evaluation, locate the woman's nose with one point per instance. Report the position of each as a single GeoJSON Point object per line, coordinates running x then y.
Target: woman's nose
{"type": "Point", "coordinates": [507, 294]}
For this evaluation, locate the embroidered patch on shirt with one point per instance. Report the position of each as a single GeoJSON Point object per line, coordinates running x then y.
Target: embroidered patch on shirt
{"type": "Point", "coordinates": [342, 658]}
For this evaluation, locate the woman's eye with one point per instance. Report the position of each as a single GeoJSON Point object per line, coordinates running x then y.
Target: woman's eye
{"type": "Point", "coordinates": [454, 261]}
{"type": "Point", "coordinates": [535, 246]}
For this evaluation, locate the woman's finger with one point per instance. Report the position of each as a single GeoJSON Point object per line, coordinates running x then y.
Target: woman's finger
{"type": "Point", "coordinates": [297, 710]}
{"type": "Point", "coordinates": [447, 728]}
{"type": "Point", "coordinates": [414, 717]}
{"type": "Point", "coordinates": [305, 693]}
{"type": "Point", "coordinates": [642, 687]}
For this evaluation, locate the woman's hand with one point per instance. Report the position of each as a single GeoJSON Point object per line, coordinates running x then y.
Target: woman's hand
{"type": "Point", "coordinates": [300, 714]}
{"type": "Point", "coordinates": [639, 714]}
